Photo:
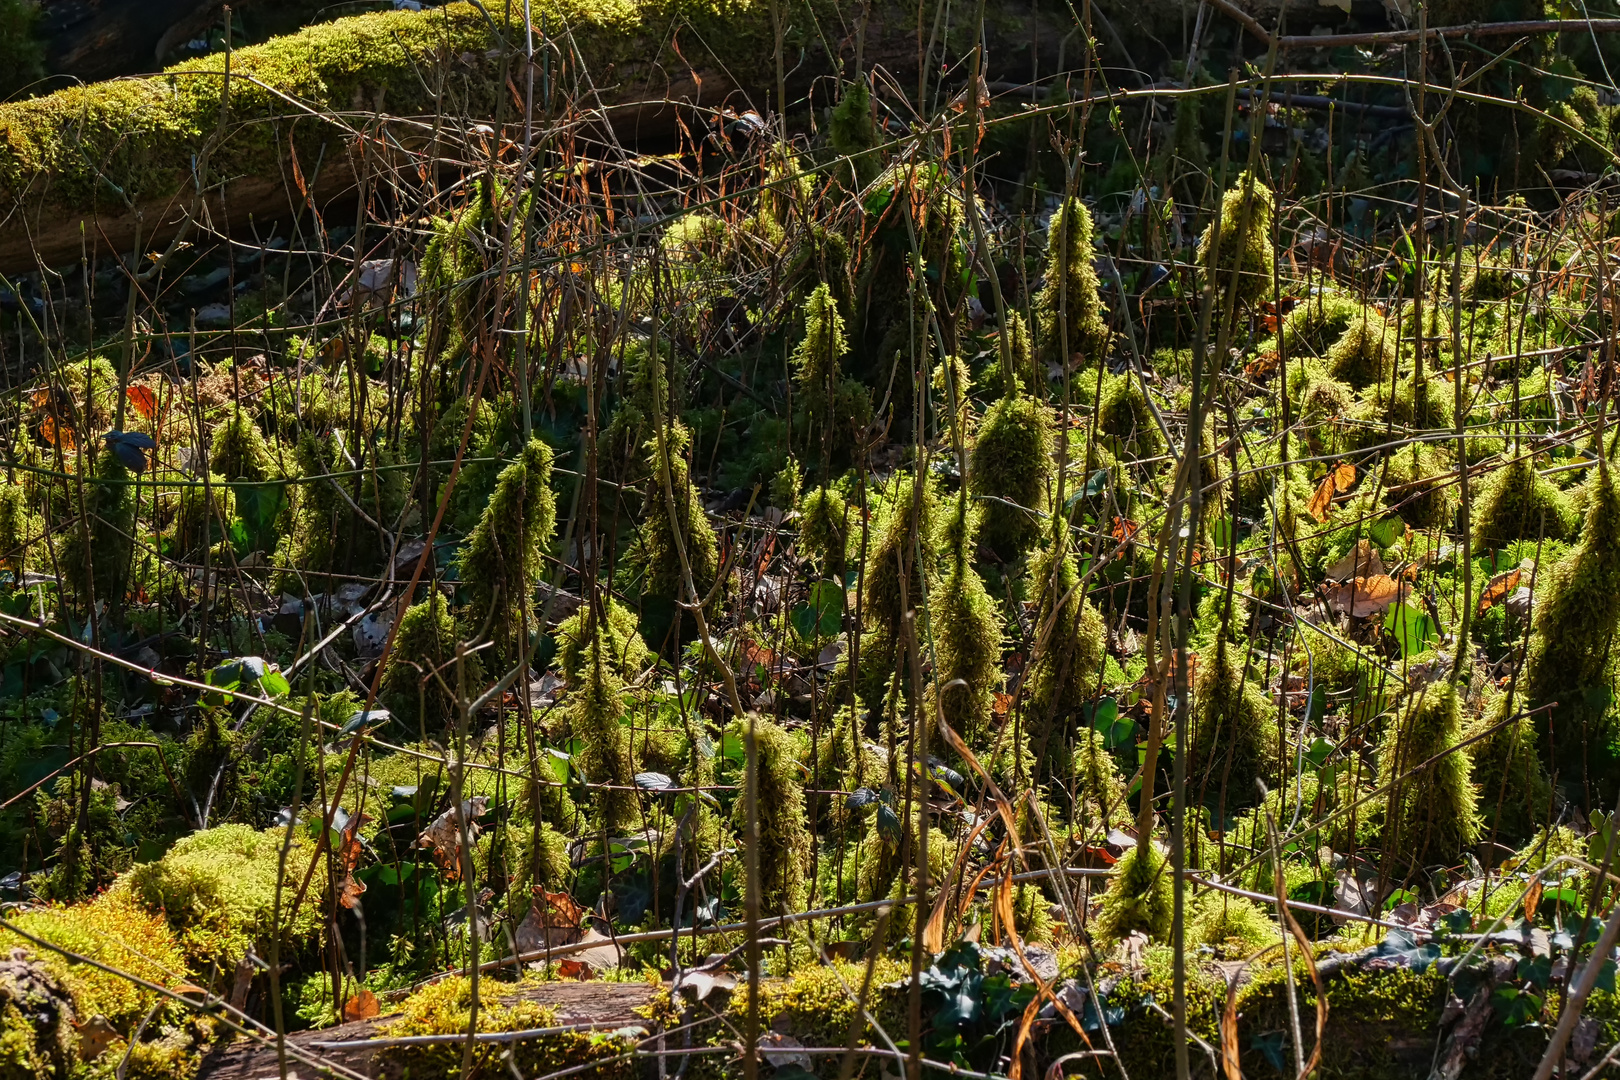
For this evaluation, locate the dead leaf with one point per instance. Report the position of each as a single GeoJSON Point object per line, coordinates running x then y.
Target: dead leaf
{"type": "Point", "coordinates": [1501, 585]}
{"type": "Point", "coordinates": [1230, 1047]}
{"type": "Point", "coordinates": [58, 435]}
{"type": "Point", "coordinates": [349, 890]}
{"type": "Point", "coordinates": [95, 1036]}
{"type": "Point", "coordinates": [143, 400]}
{"type": "Point", "coordinates": [600, 957]}
{"type": "Point", "coordinates": [1001, 704]}
{"type": "Point", "coordinates": [1532, 900]}
{"type": "Point", "coordinates": [363, 1006]}
{"type": "Point", "coordinates": [701, 981]}
{"type": "Point", "coordinates": [443, 837]}
{"type": "Point", "coordinates": [1344, 476]}
{"type": "Point", "coordinates": [1321, 503]}
{"type": "Point", "coordinates": [1364, 561]}
{"type": "Point", "coordinates": [779, 1050]}
{"type": "Point", "coordinates": [1125, 530]}
{"type": "Point", "coordinates": [1364, 597]}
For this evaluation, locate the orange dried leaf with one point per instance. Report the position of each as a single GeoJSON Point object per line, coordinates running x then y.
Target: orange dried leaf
{"type": "Point", "coordinates": [363, 1006]}
{"type": "Point", "coordinates": [143, 400]}
{"type": "Point", "coordinates": [1344, 476]}
{"type": "Point", "coordinates": [1001, 704]}
{"type": "Point", "coordinates": [58, 435]}
{"type": "Point", "coordinates": [1321, 503]}
{"type": "Point", "coordinates": [1363, 597]}
{"type": "Point", "coordinates": [1501, 585]}
{"type": "Point", "coordinates": [1124, 529]}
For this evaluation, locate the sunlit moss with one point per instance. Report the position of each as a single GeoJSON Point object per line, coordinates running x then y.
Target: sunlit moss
{"type": "Point", "coordinates": [625, 653]}
{"type": "Point", "coordinates": [421, 682]}
{"type": "Point", "coordinates": [1235, 738]}
{"type": "Point", "coordinates": [1124, 413]}
{"type": "Point", "coordinates": [1099, 790]}
{"type": "Point", "coordinates": [239, 450]}
{"type": "Point", "coordinates": [1069, 648]}
{"type": "Point", "coordinates": [1244, 246]}
{"type": "Point", "coordinates": [21, 530]}
{"type": "Point", "coordinates": [1139, 896]}
{"type": "Point", "coordinates": [1432, 815]}
{"type": "Point", "coordinates": [1069, 309]}
{"type": "Point", "coordinates": [1517, 503]}
{"type": "Point", "coordinates": [203, 515]}
{"type": "Point", "coordinates": [1365, 352]}
{"type": "Point", "coordinates": [852, 133]}
{"type": "Point", "coordinates": [657, 551]}
{"type": "Point", "coordinates": [1419, 486]}
{"type": "Point", "coordinates": [1515, 795]}
{"type": "Point", "coordinates": [1233, 923]}
{"type": "Point", "coordinates": [217, 889]}
{"type": "Point", "coordinates": [501, 560]}
{"type": "Point", "coordinates": [1318, 321]}
{"type": "Point", "coordinates": [905, 536]}
{"type": "Point", "coordinates": [826, 522]}
{"type": "Point", "coordinates": [784, 838]}
{"type": "Point", "coordinates": [97, 558]}
{"type": "Point", "coordinates": [36, 1024]}
{"type": "Point", "coordinates": [1012, 463]}
{"type": "Point", "coordinates": [966, 638]}
{"type": "Point", "coordinates": [593, 712]}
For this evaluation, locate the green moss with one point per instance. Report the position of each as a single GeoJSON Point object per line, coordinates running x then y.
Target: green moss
{"type": "Point", "coordinates": [966, 637]}
{"type": "Point", "coordinates": [1517, 503]}
{"type": "Point", "coordinates": [1012, 461]}
{"type": "Point", "coordinates": [593, 712]}
{"type": "Point", "coordinates": [1069, 308]}
{"type": "Point", "coordinates": [622, 648]}
{"type": "Point", "coordinates": [36, 1024]}
{"type": "Point", "coordinates": [100, 549]}
{"type": "Point", "coordinates": [852, 133]}
{"type": "Point", "coordinates": [1419, 485]}
{"type": "Point", "coordinates": [1233, 925]}
{"type": "Point", "coordinates": [203, 515]}
{"type": "Point", "coordinates": [217, 889]}
{"type": "Point", "coordinates": [656, 552]}
{"type": "Point", "coordinates": [1364, 353]}
{"type": "Point", "coordinates": [1432, 814]}
{"type": "Point", "coordinates": [113, 930]}
{"type": "Point", "coordinates": [826, 522]}
{"type": "Point", "coordinates": [1515, 795]}
{"type": "Point", "coordinates": [1099, 791]}
{"type": "Point", "coordinates": [1069, 650]}
{"type": "Point", "coordinates": [784, 838]}
{"type": "Point", "coordinates": [1244, 247]}
{"type": "Point", "coordinates": [1319, 321]}
{"type": "Point", "coordinates": [421, 682]}
{"type": "Point", "coordinates": [501, 560]}
{"type": "Point", "coordinates": [1576, 613]}
{"type": "Point", "coordinates": [20, 531]}
{"type": "Point", "coordinates": [239, 450]}
{"type": "Point", "coordinates": [1124, 414]}
{"type": "Point", "coordinates": [1139, 896]}
{"type": "Point", "coordinates": [1235, 739]}
{"type": "Point", "coordinates": [905, 535]}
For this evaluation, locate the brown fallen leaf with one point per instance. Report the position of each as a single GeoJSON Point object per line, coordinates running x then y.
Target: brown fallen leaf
{"type": "Point", "coordinates": [1363, 561]}
{"type": "Point", "coordinates": [1344, 476]}
{"type": "Point", "coordinates": [95, 1036]}
{"type": "Point", "coordinates": [1501, 586]}
{"type": "Point", "coordinates": [1321, 504]}
{"type": "Point", "coordinates": [1364, 597]}
{"type": "Point", "coordinates": [1532, 900]}
{"type": "Point", "coordinates": [443, 836]}
{"type": "Point", "coordinates": [363, 1006]}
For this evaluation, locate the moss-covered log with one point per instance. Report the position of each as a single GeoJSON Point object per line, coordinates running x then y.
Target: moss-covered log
{"type": "Point", "coordinates": [313, 117]}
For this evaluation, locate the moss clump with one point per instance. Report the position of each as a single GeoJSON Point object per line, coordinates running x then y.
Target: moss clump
{"type": "Point", "coordinates": [1318, 321]}
{"type": "Point", "coordinates": [421, 682]}
{"type": "Point", "coordinates": [852, 133]}
{"type": "Point", "coordinates": [113, 930]}
{"type": "Point", "coordinates": [1431, 815]}
{"type": "Point", "coordinates": [1364, 353]}
{"type": "Point", "coordinates": [1139, 896]}
{"type": "Point", "coordinates": [656, 551]}
{"type": "Point", "coordinates": [101, 547]}
{"type": "Point", "coordinates": [1517, 503]}
{"type": "Point", "coordinates": [1069, 309]}
{"type": "Point", "coordinates": [239, 450]}
{"type": "Point", "coordinates": [836, 409]}
{"type": "Point", "coordinates": [36, 1023]}
{"type": "Point", "coordinates": [1235, 739]}
{"type": "Point", "coordinates": [1099, 791]}
{"type": "Point", "coordinates": [1575, 617]}
{"type": "Point", "coordinates": [905, 536]}
{"type": "Point", "coordinates": [1124, 413]}
{"type": "Point", "coordinates": [501, 560]}
{"type": "Point", "coordinates": [784, 837]}
{"type": "Point", "coordinates": [1419, 486]}
{"type": "Point", "coordinates": [622, 648]}
{"type": "Point", "coordinates": [444, 1008]}
{"type": "Point", "coordinates": [20, 530]}
{"type": "Point", "coordinates": [593, 712]}
{"type": "Point", "coordinates": [217, 889]}
{"type": "Point", "coordinates": [203, 515]}
{"type": "Point", "coordinates": [1515, 796]}
{"type": "Point", "coordinates": [1244, 240]}
{"type": "Point", "coordinates": [1069, 648]}
{"type": "Point", "coordinates": [966, 636]}
{"type": "Point", "coordinates": [825, 525]}
{"type": "Point", "coordinates": [1012, 461]}
{"type": "Point", "coordinates": [1233, 925]}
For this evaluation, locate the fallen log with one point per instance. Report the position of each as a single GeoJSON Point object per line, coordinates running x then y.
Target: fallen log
{"type": "Point", "coordinates": [308, 120]}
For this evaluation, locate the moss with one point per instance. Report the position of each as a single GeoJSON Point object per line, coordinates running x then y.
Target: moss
{"type": "Point", "coordinates": [476, 480]}
{"type": "Point", "coordinates": [786, 484]}
{"type": "Point", "coordinates": [1517, 503]}
{"type": "Point", "coordinates": [966, 638]}
{"type": "Point", "coordinates": [20, 530]}
{"type": "Point", "coordinates": [1431, 814]}
{"type": "Point", "coordinates": [1032, 913]}
{"type": "Point", "coordinates": [1123, 413]}
{"type": "Point", "coordinates": [1514, 792]}
{"type": "Point", "coordinates": [622, 648]}
{"type": "Point", "coordinates": [1139, 896]}
{"type": "Point", "coordinates": [203, 515]}
{"type": "Point", "coordinates": [1419, 486]}
{"type": "Point", "coordinates": [784, 838]}
{"type": "Point", "coordinates": [852, 133]}
{"type": "Point", "coordinates": [1576, 614]}
{"type": "Point", "coordinates": [593, 712]}
{"type": "Point", "coordinates": [1364, 353]}
{"type": "Point", "coordinates": [1099, 790]}
{"type": "Point", "coordinates": [1069, 308]}
{"type": "Point", "coordinates": [444, 1008]}
{"type": "Point", "coordinates": [1012, 462]}
{"type": "Point", "coordinates": [1318, 321]}
{"type": "Point", "coordinates": [1244, 247]}
{"type": "Point", "coordinates": [113, 930]}
{"type": "Point", "coordinates": [217, 889]}
{"type": "Point", "coordinates": [905, 535]}
{"type": "Point", "coordinates": [826, 523]}
{"type": "Point", "coordinates": [98, 556]}
{"type": "Point", "coordinates": [1235, 738]}
{"type": "Point", "coordinates": [1069, 652]}
{"type": "Point", "coordinates": [421, 682]}
{"type": "Point", "coordinates": [1233, 925]}
{"type": "Point", "coordinates": [656, 550]}
{"type": "Point", "coordinates": [36, 1023]}
{"type": "Point", "coordinates": [239, 450]}
{"type": "Point", "coordinates": [501, 560]}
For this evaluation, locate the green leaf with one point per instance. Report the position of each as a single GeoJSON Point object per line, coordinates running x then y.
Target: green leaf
{"type": "Point", "coordinates": [1319, 752]}
{"type": "Point", "coordinates": [559, 764]}
{"type": "Point", "coordinates": [274, 684]}
{"type": "Point", "coordinates": [1386, 532]}
{"type": "Point", "coordinates": [1411, 627]}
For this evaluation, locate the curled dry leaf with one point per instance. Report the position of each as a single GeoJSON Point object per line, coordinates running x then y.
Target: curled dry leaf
{"type": "Point", "coordinates": [443, 837]}
{"type": "Point", "coordinates": [1363, 561]}
{"type": "Point", "coordinates": [1364, 597]}
{"type": "Point", "coordinates": [1341, 478]}
{"type": "Point", "coordinates": [1500, 587]}
{"type": "Point", "coordinates": [363, 1006]}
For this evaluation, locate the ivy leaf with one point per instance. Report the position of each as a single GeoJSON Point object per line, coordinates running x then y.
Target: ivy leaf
{"type": "Point", "coordinates": [1400, 947]}
{"type": "Point", "coordinates": [888, 823]}
{"type": "Point", "coordinates": [860, 797]}
{"type": "Point", "coordinates": [653, 781]}
{"type": "Point", "coordinates": [1516, 1007]}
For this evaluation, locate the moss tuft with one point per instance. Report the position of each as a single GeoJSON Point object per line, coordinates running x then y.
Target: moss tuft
{"type": "Point", "coordinates": [967, 638]}
{"type": "Point", "coordinates": [1235, 739]}
{"type": "Point", "coordinates": [1364, 353]}
{"type": "Point", "coordinates": [1233, 925]}
{"type": "Point", "coordinates": [826, 522]}
{"type": "Point", "coordinates": [656, 550]}
{"type": "Point", "coordinates": [1139, 896]}
{"type": "Point", "coordinates": [98, 556]}
{"type": "Point", "coordinates": [1517, 503]}
{"type": "Point", "coordinates": [420, 683]}
{"type": "Point", "coordinates": [501, 560]}
{"type": "Point", "coordinates": [1012, 461]}
{"type": "Point", "coordinates": [1124, 414]}
{"type": "Point", "coordinates": [1515, 795]}
{"type": "Point", "coordinates": [1431, 814]}
{"type": "Point", "coordinates": [1069, 308]}
{"type": "Point", "coordinates": [593, 712]}
{"type": "Point", "coordinates": [1244, 247]}
{"type": "Point", "coordinates": [784, 837]}
{"type": "Point", "coordinates": [622, 648]}
{"type": "Point", "coordinates": [1069, 649]}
